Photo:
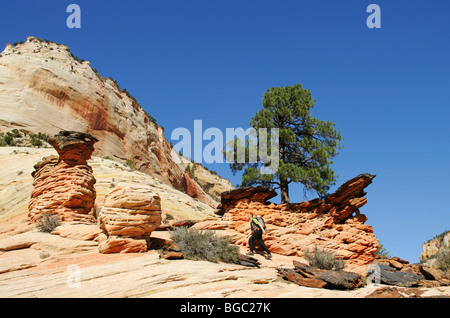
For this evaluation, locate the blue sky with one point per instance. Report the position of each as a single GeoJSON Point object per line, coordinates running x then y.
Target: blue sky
{"type": "Point", "coordinates": [386, 89]}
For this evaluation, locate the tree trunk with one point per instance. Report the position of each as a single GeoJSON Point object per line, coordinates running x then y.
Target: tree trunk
{"type": "Point", "coordinates": [284, 184]}
{"type": "Point", "coordinates": [284, 191]}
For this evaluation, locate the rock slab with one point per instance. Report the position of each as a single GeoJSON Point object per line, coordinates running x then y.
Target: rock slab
{"type": "Point", "coordinates": [305, 275]}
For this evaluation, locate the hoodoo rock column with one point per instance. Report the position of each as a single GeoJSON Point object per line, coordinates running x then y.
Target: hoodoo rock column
{"type": "Point", "coordinates": [64, 185]}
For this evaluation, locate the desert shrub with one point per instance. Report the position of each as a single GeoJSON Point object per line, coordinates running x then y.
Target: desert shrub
{"type": "Point", "coordinates": [130, 164]}
{"type": "Point", "coordinates": [443, 258]}
{"type": "Point", "coordinates": [43, 136]}
{"type": "Point", "coordinates": [44, 254]}
{"type": "Point", "coordinates": [439, 237]}
{"type": "Point", "coordinates": [15, 133]}
{"type": "Point", "coordinates": [48, 222]}
{"type": "Point", "coordinates": [35, 141]}
{"type": "Point", "coordinates": [191, 171]}
{"type": "Point", "coordinates": [9, 140]}
{"type": "Point", "coordinates": [323, 259]}
{"type": "Point", "coordinates": [204, 245]}
{"type": "Point", "coordinates": [150, 117]}
{"type": "Point", "coordinates": [168, 218]}
{"type": "Point", "coordinates": [383, 252]}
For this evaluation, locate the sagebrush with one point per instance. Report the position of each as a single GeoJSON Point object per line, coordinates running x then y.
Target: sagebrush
{"type": "Point", "coordinates": [48, 222]}
{"type": "Point", "coordinates": [323, 259]}
{"type": "Point", "coordinates": [204, 245]}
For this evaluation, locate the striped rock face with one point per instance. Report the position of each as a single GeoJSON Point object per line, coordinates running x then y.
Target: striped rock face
{"type": "Point", "coordinates": [43, 88]}
{"type": "Point", "coordinates": [64, 184]}
{"type": "Point", "coordinates": [334, 224]}
{"type": "Point", "coordinates": [131, 212]}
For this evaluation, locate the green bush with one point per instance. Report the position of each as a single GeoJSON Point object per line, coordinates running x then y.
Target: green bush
{"type": "Point", "coordinates": [15, 133]}
{"type": "Point", "coordinates": [35, 141]}
{"type": "Point", "coordinates": [43, 136]}
{"type": "Point", "coordinates": [322, 259]}
{"type": "Point", "coordinates": [130, 164]}
{"type": "Point", "coordinates": [204, 245]}
{"type": "Point", "coordinates": [9, 140]}
{"type": "Point", "coordinates": [383, 252]}
{"type": "Point", "coordinates": [48, 222]}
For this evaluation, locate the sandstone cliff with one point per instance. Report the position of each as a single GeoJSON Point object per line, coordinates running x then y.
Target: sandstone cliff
{"type": "Point", "coordinates": [44, 88]}
{"type": "Point", "coordinates": [431, 248]}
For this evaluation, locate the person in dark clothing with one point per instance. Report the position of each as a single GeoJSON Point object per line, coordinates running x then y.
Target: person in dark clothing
{"type": "Point", "coordinates": [256, 234]}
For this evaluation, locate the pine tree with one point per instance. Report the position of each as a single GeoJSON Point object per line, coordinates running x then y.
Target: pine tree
{"type": "Point", "coordinates": [306, 144]}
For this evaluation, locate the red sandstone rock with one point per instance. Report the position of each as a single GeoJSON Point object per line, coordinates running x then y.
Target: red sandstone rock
{"type": "Point", "coordinates": [64, 185]}
{"type": "Point", "coordinates": [193, 189]}
{"type": "Point", "coordinates": [56, 92]}
{"type": "Point", "coordinates": [122, 245]}
{"type": "Point", "coordinates": [131, 212]}
{"type": "Point", "coordinates": [249, 194]}
{"type": "Point", "coordinates": [297, 278]}
{"type": "Point", "coordinates": [173, 255]}
{"type": "Point", "coordinates": [334, 223]}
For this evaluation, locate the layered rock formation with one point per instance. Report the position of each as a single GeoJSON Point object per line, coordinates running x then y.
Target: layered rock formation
{"type": "Point", "coordinates": [431, 248]}
{"type": "Point", "coordinates": [334, 223]}
{"type": "Point", "coordinates": [195, 191]}
{"type": "Point", "coordinates": [231, 198]}
{"type": "Point", "coordinates": [131, 212]}
{"type": "Point", "coordinates": [64, 185]}
{"type": "Point", "coordinates": [213, 184]}
{"type": "Point", "coordinates": [43, 88]}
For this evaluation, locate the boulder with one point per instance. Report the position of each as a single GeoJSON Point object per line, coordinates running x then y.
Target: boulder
{"type": "Point", "coordinates": [385, 292]}
{"type": "Point", "coordinates": [75, 231]}
{"type": "Point", "coordinates": [246, 260]}
{"type": "Point", "coordinates": [122, 245]}
{"type": "Point", "coordinates": [300, 280]}
{"type": "Point", "coordinates": [305, 275]}
{"type": "Point", "coordinates": [173, 255]}
{"type": "Point", "coordinates": [390, 276]}
{"type": "Point", "coordinates": [164, 244]}
{"type": "Point", "coordinates": [341, 280]}
{"type": "Point", "coordinates": [431, 273]}
{"type": "Point", "coordinates": [130, 212]}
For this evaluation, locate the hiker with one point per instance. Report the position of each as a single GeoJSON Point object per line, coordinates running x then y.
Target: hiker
{"type": "Point", "coordinates": [257, 230]}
